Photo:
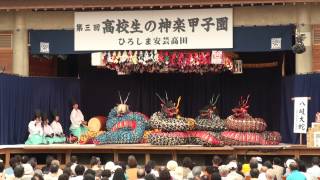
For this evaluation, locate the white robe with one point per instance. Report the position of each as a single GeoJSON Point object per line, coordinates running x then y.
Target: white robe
{"type": "Point", "coordinates": [47, 130]}
{"type": "Point", "coordinates": [56, 128]}
{"type": "Point", "coordinates": [76, 118]}
{"type": "Point", "coordinates": [35, 128]}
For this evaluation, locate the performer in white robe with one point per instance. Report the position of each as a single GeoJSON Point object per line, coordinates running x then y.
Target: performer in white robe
{"type": "Point", "coordinates": [59, 136]}
{"type": "Point", "coordinates": [35, 131]}
{"type": "Point", "coordinates": [47, 130]}
{"type": "Point", "coordinates": [78, 124]}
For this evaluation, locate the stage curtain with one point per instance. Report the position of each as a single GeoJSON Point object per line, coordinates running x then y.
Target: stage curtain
{"type": "Point", "coordinates": [298, 86]}
{"type": "Point", "coordinates": [20, 96]}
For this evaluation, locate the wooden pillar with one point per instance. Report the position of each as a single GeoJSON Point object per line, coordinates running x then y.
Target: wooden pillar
{"type": "Point", "coordinates": [115, 156]}
{"type": "Point", "coordinates": [147, 157]}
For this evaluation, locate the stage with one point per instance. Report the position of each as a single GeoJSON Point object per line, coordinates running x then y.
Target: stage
{"type": "Point", "coordinates": [64, 151]}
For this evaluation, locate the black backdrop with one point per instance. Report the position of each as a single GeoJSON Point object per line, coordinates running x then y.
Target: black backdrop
{"type": "Point", "coordinates": [99, 89]}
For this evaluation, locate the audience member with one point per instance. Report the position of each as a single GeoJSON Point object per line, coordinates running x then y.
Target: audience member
{"type": "Point", "coordinates": [187, 166]}
{"type": "Point", "coordinates": [196, 172]}
{"type": "Point", "coordinates": [164, 174]}
{"type": "Point", "coordinates": [28, 169]}
{"type": "Point", "coordinates": [171, 166]}
{"type": "Point", "coordinates": [150, 177]}
{"type": "Point", "coordinates": [37, 177]}
{"type": "Point", "coordinates": [233, 171]}
{"type": "Point", "coordinates": [152, 164]}
{"type": "Point", "coordinates": [33, 162]}
{"type": "Point", "coordinates": [46, 169]}
{"type": "Point", "coordinates": [88, 177]}
{"type": "Point", "coordinates": [106, 174]}
{"type": "Point", "coordinates": [141, 174]}
{"type": "Point", "coordinates": [239, 169]}
{"type": "Point", "coordinates": [119, 174]}
{"type": "Point", "coordinates": [294, 173]}
{"type": "Point", "coordinates": [277, 168]}
{"type": "Point", "coordinates": [270, 175]}
{"type": "Point", "coordinates": [53, 174]}
{"type": "Point", "coordinates": [18, 172]}
{"type": "Point", "coordinates": [90, 171]}
{"type": "Point", "coordinates": [57, 163]}
{"type": "Point", "coordinates": [67, 171]}
{"type": "Point", "coordinates": [1, 170]}
{"type": "Point", "coordinates": [314, 171]}
{"type": "Point", "coordinates": [216, 162]}
{"type": "Point", "coordinates": [8, 172]}
{"type": "Point", "coordinates": [302, 168]}
{"type": "Point", "coordinates": [132, 168]}
{"type": "Point", "coordinates": [216, 176]}
{"type": "Point", "coordinates": [262, 175]}
{"type": "Point", "coordinates": [224, 171]}
{"type": "Point", "coordinates": [79, 171]}
{"type": "Point", "coordinates": [64, 177]}
{"type": "Point", "coordinates": [254, 173]}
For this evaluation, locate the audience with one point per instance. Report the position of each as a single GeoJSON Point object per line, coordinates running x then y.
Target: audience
{"type": "Point", "coordinates": [23, 168]}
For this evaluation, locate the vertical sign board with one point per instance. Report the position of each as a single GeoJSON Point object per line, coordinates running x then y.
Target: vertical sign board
{"type": "Point", "coordinates": [154, 29]}
{"type": "Point", "coordinates": [300, 115]}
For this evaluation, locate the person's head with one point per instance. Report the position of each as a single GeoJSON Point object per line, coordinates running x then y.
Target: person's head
{"type": "Point", "coordinates": [94, 161]}
{"type": "Point", "coordinates": [25, 159]}
{"type": "Point", "coordinates": [67, 171]}
{"type": "Point", "coordinates": [301, 166]}
{"type": "Point", "coordinates": [315, 161]}
{"type": "Point", "coordinates": [216, 160]}
{"type": "Point", "coordinates": [75, 106]}
{"type": "Point", "coordinates": [215, 176]}
{"type": "Point", "coordinates": [141, 173]}
{"type": "Point", "coordinates": [172, 165]}
{"type": "Point", "coordinates": [49, 160]}
{"type": "Point", "coordinates": [90, 171]}
{"type": "Point", "coordinates": [79, 170]}
{"type": "Point", "coordinates": [152, 164]}
{"type": "Point", "coordinates": [293, 166]}
{"type": "Point", "coordinates": [123, 165]}
{"type": "Point", "coordinates": [109, 166]}
{"type": "Point", "coordinates": [164, 175]}
{"type": "Point", "coordinates": [1, 167]}
{"type": "Point", "coordinates": [64, 177]}
{"type": "Point", "coordinates": [119, 174]}
{"type": "Point", "coordinates": [187, 163]}
{"type": "Point", "coordinates": [57, 118]}
{"type": "Point", "coordinates": [254, 173]}
{"type": "Point", "coordinates": [263, 169]}
{"type": "Point", "coordinates": [204, 177]}
{"type": "Point", "coordinates": [54, 168]}
{"type": "Point", "coordinates": [268, 164]}
{"type": "Point", "coordinates": [106, 173]}
{"type": "Point", "coordinates": [18, 171]}
{"type": "Point", "coordinates": [231, 158]}
{"type": "Point", "coordinates": [253, 164]}
{"type": "Point", "coordinates": [132, 162]}
{"type": "Point", "coordinates": [37, 177]}
{"type": "Point", "coordinates": [88, 177]}
{"type": "Point", "coordinates": [277, 161]}
{"type": "Point", "coordinates": [33, 162]}
{"type": "Point", "coordinates": [147, 168]}
{"type": "Point", "coordinates": [211, 169]}
{"type": "Point", "coordinates": [196, 171]}
{"type": "Point", "coordinates": [13, 162]}
{"type": "Point", "coordinates": [239, 166]}
{"type": "Point", "coordinates": [74, 159]}
{"type": "Point", "coordinates": [150, 177]}
{"type": "Point", "coordinates": [55, 162]}
{"type": "Point", "coordinates": [232, 166]}
{"type": "Point", "coordinates": [270, 175]}
{"type": "Point", "coordinates": [18, 158]}
{"type": "Point", "coordinates": [224, 170]}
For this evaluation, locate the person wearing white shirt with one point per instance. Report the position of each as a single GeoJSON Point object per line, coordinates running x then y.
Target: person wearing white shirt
{"type": "Point", "coordinates": [47, 130]}
{"type": "Point", "coordinates": [58, 134]}
{"type": "Point", "coordinates": [78, 124]}
{"type": "Point", "coordinates": [35, 131]}
{"type": "Point", "coordinates": [314, 171]}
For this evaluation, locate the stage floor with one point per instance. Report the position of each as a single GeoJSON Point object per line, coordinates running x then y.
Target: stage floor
{"type": "Point", "coordinates": [64, 151]}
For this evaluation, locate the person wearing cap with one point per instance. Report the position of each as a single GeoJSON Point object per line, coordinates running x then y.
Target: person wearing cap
{"type": "Point", "coordinates": [47, 130]}
{"type": "Point", "coordinates": [58, 135]}
{"type": "Point", "coordinates": [35, 131]}
{"type": "Point", "coordinates": [233, 171]}
{"type": "Point", "coordinates": [78, 124]}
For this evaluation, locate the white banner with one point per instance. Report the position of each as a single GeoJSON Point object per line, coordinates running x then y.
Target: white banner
{"type": "Point", "coordinates": [154, 29]}
{"type": "Point", "coordinates": [300, 115]}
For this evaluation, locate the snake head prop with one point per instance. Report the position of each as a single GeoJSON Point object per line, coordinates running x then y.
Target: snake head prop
{"type": "Point", "coordinates": [242, 108]}
{"type": "Point", "coordinates": [168, 107]}
{"type": "Point", "coordinates": [210, 110]}
{"type": "Point", "coordinates": [123, 108]}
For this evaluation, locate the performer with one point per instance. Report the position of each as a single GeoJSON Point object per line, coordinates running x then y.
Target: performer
{"type": "Point", "coordinates": [58, 134]}
{"type": "Point", "coordinates": [47, 130]}
{"type": "Point", "coordinates": [35, 130]}
{"type": "Point", "coordinates": [78, 124]}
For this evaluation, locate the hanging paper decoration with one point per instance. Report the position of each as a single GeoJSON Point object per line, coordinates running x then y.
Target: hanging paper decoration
{"type": "Point", "coordinates": [168, 61]}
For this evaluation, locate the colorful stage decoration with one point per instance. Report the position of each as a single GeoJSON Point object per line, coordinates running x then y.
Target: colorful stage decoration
{"type": "Point", "coordinates": [177, 130]}
{"type": "Point", "coordinates": [123, 126]}
{"type": "Point", "coordinates": [246, 130]}
{"type": "Point", "coordinates": [126, 62]}
{"type": "Point", "coordinates": [96, 127]}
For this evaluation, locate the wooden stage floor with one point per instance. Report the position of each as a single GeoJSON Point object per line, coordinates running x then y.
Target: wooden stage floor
{"type": "Point", "coordinates": [64, 151]}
